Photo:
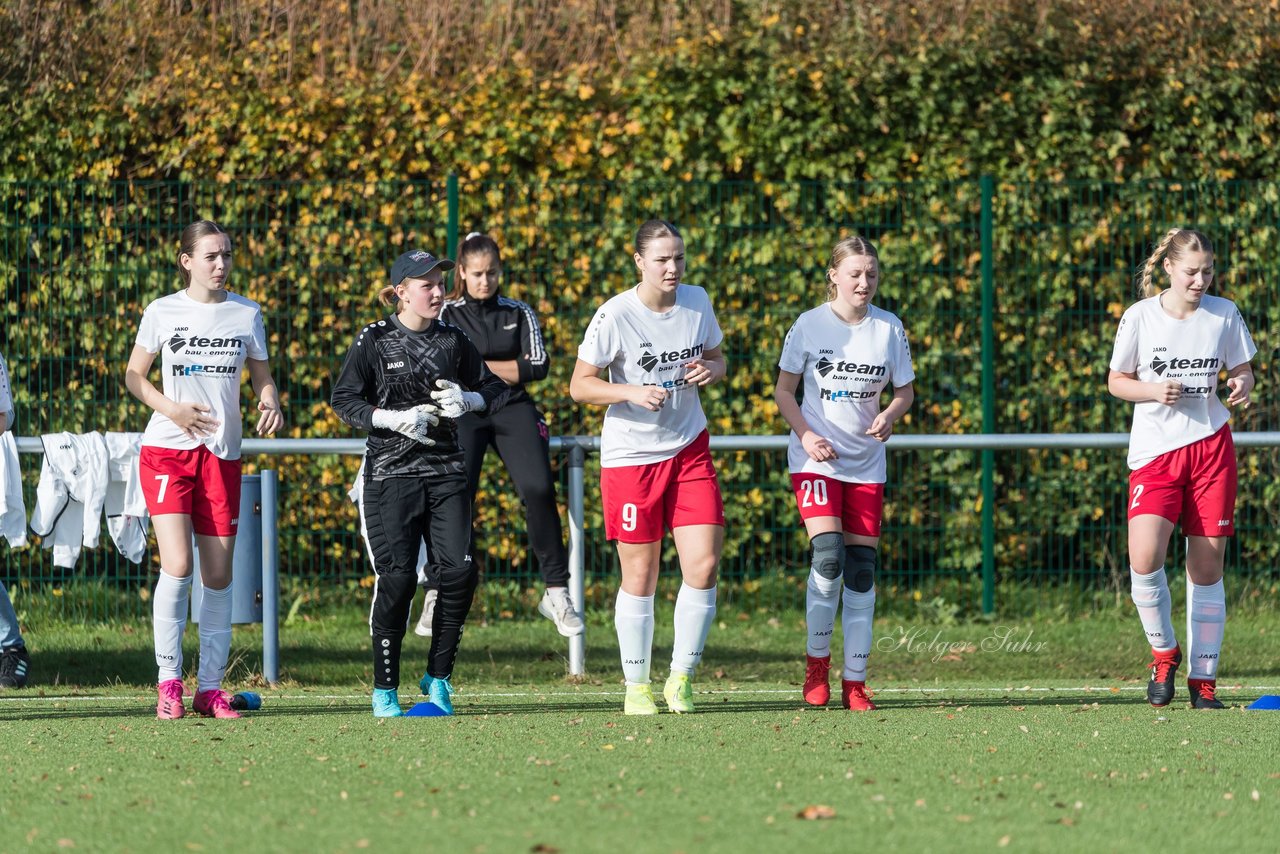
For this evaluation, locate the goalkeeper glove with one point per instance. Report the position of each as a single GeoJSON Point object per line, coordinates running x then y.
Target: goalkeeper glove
{"type": "Point", "coordinates": [413, 423]}
{"type": "Point", "coordinates": [452, 401]}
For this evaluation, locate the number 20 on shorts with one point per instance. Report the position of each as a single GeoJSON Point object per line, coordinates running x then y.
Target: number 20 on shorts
{"type": "Point", "coordinates": [813, 493]}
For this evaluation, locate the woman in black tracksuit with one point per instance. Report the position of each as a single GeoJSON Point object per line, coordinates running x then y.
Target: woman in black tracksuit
{"type": "Point", "coordinates": [506, 333]}
{"type": "Point", "coordinates": [407, 379]}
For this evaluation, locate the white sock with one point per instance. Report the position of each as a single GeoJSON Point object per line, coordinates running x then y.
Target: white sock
{"type": "Point", "coordinates": [1206, 622]}
{"type": "Point", "coordinates": [695, 612]}
{"type": "Point", "coordinates": [633, 618]}
{"type": "Point", "coordinates": [859, 609]}
{"type": "Point", "coordinates": [215, 638]}
{"type": "Point", "coordinates": [168, 620]}
{"type": "Point", "coordinates": [1151, 595]}
{"type": "Point", "coordinates": [820, 602]}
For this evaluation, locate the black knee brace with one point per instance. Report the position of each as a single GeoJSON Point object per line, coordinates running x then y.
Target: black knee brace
{"type": "Point", "coordinates": [860, 565]}
{"type": "Point", "coordinates": [828, 555]}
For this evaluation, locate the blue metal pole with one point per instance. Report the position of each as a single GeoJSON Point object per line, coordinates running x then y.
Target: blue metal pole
{"type": "Point", "coordinates": [270, 581]}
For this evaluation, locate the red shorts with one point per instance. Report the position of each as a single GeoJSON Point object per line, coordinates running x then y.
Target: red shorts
{"type": "Point", "coordinates": [1196, 483]}
{"type": "Point", "coordinates": [195, 483]}
{"type": "Point", "coordinates": [642, 502]}
{"type": "Point", "coordinates": [859, 506]}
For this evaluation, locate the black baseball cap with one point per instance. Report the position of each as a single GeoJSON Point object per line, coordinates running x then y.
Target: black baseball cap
{"type": "Point", "coordinates": [416, 264]}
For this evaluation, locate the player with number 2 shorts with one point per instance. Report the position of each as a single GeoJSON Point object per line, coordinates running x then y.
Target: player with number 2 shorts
{"type": "Point", "coordinates": [1170, 348]}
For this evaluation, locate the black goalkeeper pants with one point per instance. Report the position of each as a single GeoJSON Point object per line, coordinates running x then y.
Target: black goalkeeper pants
{"type": "Point", "coordinates": [519, 435]}
{"type": "Point", "coordinates": [399, 513]}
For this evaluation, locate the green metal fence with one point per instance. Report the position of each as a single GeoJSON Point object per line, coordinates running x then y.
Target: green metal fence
{"type": "Point", "coordinates": [1010, 294]}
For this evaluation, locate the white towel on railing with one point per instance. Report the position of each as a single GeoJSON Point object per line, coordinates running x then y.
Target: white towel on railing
{"type": "Point", "coordinates": [13, 511]}
{"type": "Point", "coordinates": [70, 494]}
{"type": "Point", "coordinates": [125, 505]}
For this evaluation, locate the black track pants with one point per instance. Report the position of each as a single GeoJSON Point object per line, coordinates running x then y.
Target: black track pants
{"type": "Point", "coordinates": [399, 513]}
{"type": "Point", "coordinates": [519, 434]}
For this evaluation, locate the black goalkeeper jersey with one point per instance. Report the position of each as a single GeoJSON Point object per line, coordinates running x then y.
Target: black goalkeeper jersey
{"type": "Point", "coordinates": [392, 367]}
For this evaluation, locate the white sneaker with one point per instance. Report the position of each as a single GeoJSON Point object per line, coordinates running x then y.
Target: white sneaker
{"type": "Point", "coordinates": [428, 614]}
{"type": "Point", "coordinates": [557, 607]}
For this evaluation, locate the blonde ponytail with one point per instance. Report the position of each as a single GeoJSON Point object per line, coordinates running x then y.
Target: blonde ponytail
{"type": "Point", "coordinates": [1176, 241]}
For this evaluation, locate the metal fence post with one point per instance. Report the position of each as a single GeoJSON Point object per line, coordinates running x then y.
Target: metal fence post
{"type": "Point", "coordinates": [577, 553]}
{"type": "Point", "coordinates": [988, 398]}
{"type": "Point", "coordinates": [270, 580]}
{"type": "Point", "coordinates": [451, 196]}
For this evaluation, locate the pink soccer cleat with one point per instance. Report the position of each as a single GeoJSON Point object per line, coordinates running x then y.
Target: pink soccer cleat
{"type": "Point", "coordinates": [169, 705]}
{"type": "Point", "coordinates": [214, 703]}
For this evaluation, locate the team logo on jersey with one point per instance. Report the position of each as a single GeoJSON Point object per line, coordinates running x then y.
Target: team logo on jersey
{"type": "Point", "coordinates": [177, 343]}
{"type": "Point", "coordinates": [1173, 363]}
{"type": "Point", "coordinates": [649, 360]}
{"type": "Point", "coordinates": [826, 367]}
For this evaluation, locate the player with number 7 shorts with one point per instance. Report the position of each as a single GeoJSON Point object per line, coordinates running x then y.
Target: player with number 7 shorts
{"type": "Point", "coordinates": [660, 344]}
{"type": "Point", "coordinates": [189, 464]}
{"type": "Point", "coordinates": [848, 353]}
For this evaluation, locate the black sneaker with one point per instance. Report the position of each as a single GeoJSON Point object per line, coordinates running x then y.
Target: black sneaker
{"type": "Point", "coordinates": [1164, 667]}
{"type": "Point", "coordinates": [1203, 694]}
{"type": "Point", "coordinates": [14, 664]}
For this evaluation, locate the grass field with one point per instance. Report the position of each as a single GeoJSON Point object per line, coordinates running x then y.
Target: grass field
{"type": "Point", "coordinates": [1027, 737]}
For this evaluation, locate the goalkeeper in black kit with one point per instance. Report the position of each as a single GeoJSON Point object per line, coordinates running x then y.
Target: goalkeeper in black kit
{"type": "Point", "coordinates": [406, 378]}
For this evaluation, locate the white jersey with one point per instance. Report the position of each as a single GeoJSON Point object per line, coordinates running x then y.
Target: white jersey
{"type": "Point", "coordinates": [1192, 351]}
{"type": "Point", "coordinates": [644, 347]}
{"type": "Point", "coordinates": [845, 367]}
{"type": "Point", "coordinates": [203, 347]}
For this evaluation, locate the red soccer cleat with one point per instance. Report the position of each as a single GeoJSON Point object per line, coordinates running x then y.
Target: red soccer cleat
{"type": "Point", "coordinates": [854, 696]}
{"type": "Point", "coordinates": [817, 690]}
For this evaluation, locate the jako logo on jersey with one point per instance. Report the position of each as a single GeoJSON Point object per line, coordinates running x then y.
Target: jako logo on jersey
{"type": "Point", "coordinates": [826, 366]}
{"type": "Point", "coordinates": [177, 342]}
{"type": "Point", "coordinates": [391, 366]}
{"type": "Point", "coordinates": [197, 370]}
{"type": "Point", "coordinates": [648, 360]}
{"type": "Point", "coordinates": [1175, 364]}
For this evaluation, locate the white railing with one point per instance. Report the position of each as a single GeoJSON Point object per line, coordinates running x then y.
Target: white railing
{"type": "Point", "coordinates": [576, 448]}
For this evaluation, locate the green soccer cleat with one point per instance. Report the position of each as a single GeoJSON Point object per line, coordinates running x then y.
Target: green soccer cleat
{"type": "Point", "coordinates": [386, 703]}
{"type": "Point", "coordinates": [639, 700]}
{"type": "Point", "coordinates": [679, 693]}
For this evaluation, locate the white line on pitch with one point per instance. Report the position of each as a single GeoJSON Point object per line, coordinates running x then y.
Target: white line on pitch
{"type": "Point", "coordinates": [1025, 689]}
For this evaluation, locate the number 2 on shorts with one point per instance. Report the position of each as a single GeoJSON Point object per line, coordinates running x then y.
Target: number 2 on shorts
{"type": "Point", "coordinates": [628, 517]}
{"type": "Point", "coordinates": [164, 486]}
{"type": "Point", "coordinates": [1137, 493]}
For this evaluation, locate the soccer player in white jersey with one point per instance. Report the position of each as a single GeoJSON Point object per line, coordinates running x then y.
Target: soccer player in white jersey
{"type": "Point", "coordinates": [190, 459]}
{"type": "Point", "coordinates": [660, 344]}
{"type": "Point", "coordinates": [846, 353]}
{"type": "Point", "coordinates": [1169, 350]}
